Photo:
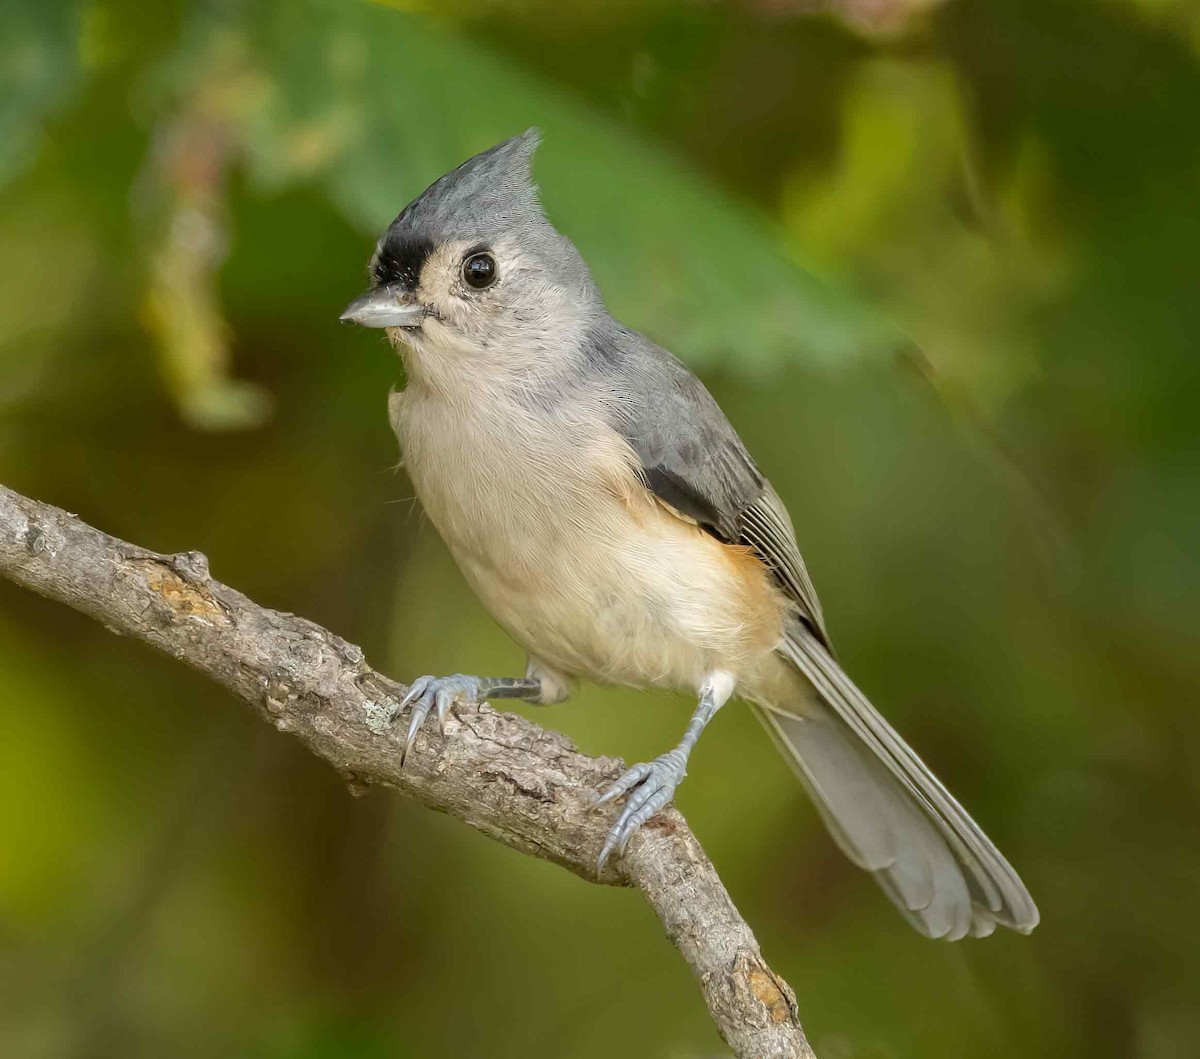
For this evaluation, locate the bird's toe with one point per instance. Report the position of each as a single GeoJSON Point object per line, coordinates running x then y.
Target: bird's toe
{"type": "Point", "coordinates": [650, 787]}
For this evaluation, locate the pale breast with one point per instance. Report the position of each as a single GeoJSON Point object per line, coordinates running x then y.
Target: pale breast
{"type": "Point", "coordinates": [572, 555]}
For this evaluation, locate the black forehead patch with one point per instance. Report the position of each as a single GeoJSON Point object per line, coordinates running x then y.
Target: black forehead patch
{"type": "Point", "coordinates": [400, 260]}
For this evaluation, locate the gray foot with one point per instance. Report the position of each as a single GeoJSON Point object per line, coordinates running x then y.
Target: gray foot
{"type": "Point", "coordinates": [437, 694]}
{"type": "Point", "coordinates": [649, 786]}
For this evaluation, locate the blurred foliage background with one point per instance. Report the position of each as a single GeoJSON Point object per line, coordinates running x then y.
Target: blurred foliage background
{"type": "Point", "coordinates": [939, 263]}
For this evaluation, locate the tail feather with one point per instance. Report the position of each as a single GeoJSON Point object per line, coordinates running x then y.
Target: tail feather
{"type": "Point", "coordinates": [889, 813]}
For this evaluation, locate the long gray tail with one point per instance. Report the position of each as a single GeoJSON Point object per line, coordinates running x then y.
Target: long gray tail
{"type": "Point", "coordinates": [889, 813]}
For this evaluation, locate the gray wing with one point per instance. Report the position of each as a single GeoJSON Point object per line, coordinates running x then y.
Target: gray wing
{"type": "Point", "coordinates": [693, 460]}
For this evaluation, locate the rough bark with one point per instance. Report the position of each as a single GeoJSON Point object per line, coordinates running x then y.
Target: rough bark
{"type": "Point", "coordinates": [523, 785]}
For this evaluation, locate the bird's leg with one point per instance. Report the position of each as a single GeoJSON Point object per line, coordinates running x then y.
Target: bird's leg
{"type": "Point", "coordinates": [651, 786]}
{"type": "Point", "coordinates": [438, 694]}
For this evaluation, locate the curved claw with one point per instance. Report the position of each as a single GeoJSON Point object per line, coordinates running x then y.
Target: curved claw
{"type": "Point", "coordinates": [420, 710]}
{"type": "Point", "coordinates": [443, 699]}
{"type": "Point", "coordinates": [650, 786]}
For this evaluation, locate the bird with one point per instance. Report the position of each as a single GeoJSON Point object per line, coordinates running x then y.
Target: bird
{"type": "Point", "coordinates": [605, 511]}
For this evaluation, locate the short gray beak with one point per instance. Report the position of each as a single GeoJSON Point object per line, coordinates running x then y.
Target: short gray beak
{"type": "Point", "coordinates": [387, 306]}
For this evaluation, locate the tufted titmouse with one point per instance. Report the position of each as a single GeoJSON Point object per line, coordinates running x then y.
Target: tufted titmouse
{"type": "Point", "coordinates": [605, 511]}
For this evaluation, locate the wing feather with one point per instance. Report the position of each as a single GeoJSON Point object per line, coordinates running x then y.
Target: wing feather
{"type": "Point", "coordinates": [693, 460]}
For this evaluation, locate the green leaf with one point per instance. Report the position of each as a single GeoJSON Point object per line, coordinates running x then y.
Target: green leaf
{"type": "Point", "coordinates": [375, 104]}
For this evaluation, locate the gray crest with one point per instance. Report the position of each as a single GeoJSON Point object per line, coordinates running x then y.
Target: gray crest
{"type": "Point", "coordinates": [492, 192]}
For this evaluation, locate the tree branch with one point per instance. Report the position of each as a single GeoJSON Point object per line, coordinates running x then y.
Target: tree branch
{"type": "Point", "coordinates": [521, 784]}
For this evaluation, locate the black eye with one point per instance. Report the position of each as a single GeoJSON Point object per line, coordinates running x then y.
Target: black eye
{"type": "Point", "coordinates": [479, 270]}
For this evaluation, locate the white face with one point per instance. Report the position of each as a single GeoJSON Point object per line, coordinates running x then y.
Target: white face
{"type": "Point", "coordinates": [491, 311]}
{"type": "Point", "coordinates": [464, 286]}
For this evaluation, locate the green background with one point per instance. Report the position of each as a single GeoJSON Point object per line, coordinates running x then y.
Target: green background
{"type": "Point", "coordinates": [942, 272]}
